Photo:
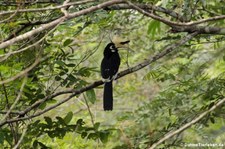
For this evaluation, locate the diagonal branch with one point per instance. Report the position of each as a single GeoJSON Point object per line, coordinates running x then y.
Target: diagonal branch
{"type": "Point", "coordinates": [171, 23]}
{"type": "Point", "coordinates": [148, 8]}
{"type": "Point", "coordinates": [185, 27]}
{"type": "Point", "coordinates": [16, 101]}
{"type": "Point", "coordinates": [187, 125]}
{"type": "Point", "coordinates": [22, 73]}
{"type": "Point", "coordinates": [58, 21]}
{"type": "Point", "coordinates": [6, 55]}
{"type": "Point", "coordinates": [75, 92]}
{"type": "Point", "coordinates": [47, 8]}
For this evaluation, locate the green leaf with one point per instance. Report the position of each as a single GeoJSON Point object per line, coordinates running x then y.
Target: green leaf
{"type": "Point", "coordinates": [96, 125]}
{"type": "Point", "coordinates": [48, 120]}
{"type": "Point", "coordinates": [93, 136]}
{"type": "Point", "coordinates": [67, 42]}
{"type": "Point", "coordinates": [83, 134]}
{"type": "Point", "coordinates": [212, 120]}
{"type": "Point", "coordinates": [42, 106]}
{"type": "Point", "coordinates": [60, 120]}
{"type": "Point", "coordinates": [35, 144]}
{"type": "Point", "coordinates": [104, 136]}
{"type": "Point", "coordinates": [91, 96]}
{"type": "Point", "coordinates": [153, 28]}
{"type": "Point", "coordinates": [80, 122]}
{"type": "Point", "coordinates": [58, 78]}
{"type": "Point", "coordinates": [1, 137]}
{"type": "Point", "coordinates": [60, 63]}
{"type": "Point", "coordinates": [71, 65]}
{"type": "Point", "coordinates": [68, 117]}
{"type": "Point", "coordinates": [71, 78]}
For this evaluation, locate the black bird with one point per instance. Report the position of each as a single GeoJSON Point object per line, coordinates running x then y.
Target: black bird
{"type": "Point", "coordinates": [109, 68]}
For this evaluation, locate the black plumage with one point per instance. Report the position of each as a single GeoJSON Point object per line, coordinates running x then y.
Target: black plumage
{"type": "Point", "coordinates": [109, 68]}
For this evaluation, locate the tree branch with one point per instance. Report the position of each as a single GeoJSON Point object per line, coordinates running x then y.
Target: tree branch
{"type": "Point", "coordinates": [32, 2]}
{"type": "Point", "coordinates": [24, 26]}
{"type": "Point", "coordinates": [148, 7]}
{"type": "Point", "coordinates": [17, 99]}
{"type": "Point", "coordinates": [6, 55]}
{"type": "Point", "coordinates": [171, 23]}
{"type": "Point", "coordinates": [187, 125]}
{"type": "Point", "coordinates": [200, 29]}
{"type": "Point", "coordinates": [58, 21]}
{"type": "Point", "coordinates": [75, 92]}
{"type": "Point", "coordinates": [47, 8]}
{"type": "Point", "coordinates": [21, 139]}
{"type": "Point", "coordinates": [185, 27]}
{"type": "Point", "coordinates": [20, 74]}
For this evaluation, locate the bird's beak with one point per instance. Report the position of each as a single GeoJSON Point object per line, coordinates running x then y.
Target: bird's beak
{"type": "Point", "coordinates": [123, 44]}
{"type": "Point", "coordinates": [120, 43]}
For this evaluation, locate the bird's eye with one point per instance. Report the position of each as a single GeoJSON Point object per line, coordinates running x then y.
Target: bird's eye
{"type": "Point", "coordinates": [112, 47]}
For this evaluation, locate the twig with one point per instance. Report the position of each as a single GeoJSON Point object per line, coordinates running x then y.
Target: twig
{"type": "Point", "coordinates": [26, 2]}
{"type": "Point", "coordinates": [21, 139]}
{"type": "Point", "coordinates": [168, 22]}
{"type": "Point", "coordinates": [171, 23]}
{"type": "Point", "coordinates": [20, 74]}
{"type": "Point", "coordinates": [148, 7]}
{"type": "Point", "coordinates": [24, 26]}
{"type": "Point", "coordinates": [17, 99]}
{"type": "Point", "coordinates": [89, 110]}
{"type": "Point", "coordinates": [26, 48]}
{"type": "Point", "coordinates": [187, 125]}
{"type": "Point", "coordinates": [63, 9]}
{"type": "Point", "coordinates": [8, 107]}
{"type": "Point", "coordinates": [58, 21]}
{"type": "Point", "coordinates": [7, 19]}
{"type": "Point", "coordinates": [46, 9]}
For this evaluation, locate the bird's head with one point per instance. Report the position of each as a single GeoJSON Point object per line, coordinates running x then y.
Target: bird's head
{"type": "Point", "coordinates": [114, 45]}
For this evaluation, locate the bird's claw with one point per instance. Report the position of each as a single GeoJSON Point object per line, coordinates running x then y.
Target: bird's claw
{"type": "Point", "coordinates": [106, 80]}
{"type": "Point", "coordinates": [115, 76]}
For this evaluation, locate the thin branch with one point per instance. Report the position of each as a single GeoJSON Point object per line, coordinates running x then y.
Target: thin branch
{"type": "Point", "coordinates": [22, 73]}
{"type": "Point", "coordinates": [200, 29]}
{"type": "Point", "coordinates": [5, 92]}
{"type": "Point", "coordinates": [89, 110]}
{"type": "Point", "coordinates": [149, 8]}
{"type": "Point", "coordinates": [11, 112]}
{"type": "Point", "coordinates": [21, 139]}
{"type": "Point", "coordinates": [75, 92]}
{"type": "Point", "coordinates": [8, 107]}
{"type": "Point", "coordinates": [216, 18]}
{"type": "Point", "coordinates": [16, 101]}
{"type": "Point", "coordinates": [63, 9]}
{"type": "Point", "coordinates": [187, 125]}
{"type": "Point", "coordinates": [171, 23]}
{"type": "Point", "coordinates": [168, 22]}
{"type": "Point", "coordinates": [10, 17]}
{"type": "Point", "coordinates": [5, 56]}
{"type": "Point", "coordinates": [31, 33]}
{"type": "Point", "coordinates": [46, 9]}
{"type": "Point", "coordinates": [24, 26]}
{"type": "Point", "coordinates": [24, 2]}
{"type": "Point", "coordinates": [58, 21]}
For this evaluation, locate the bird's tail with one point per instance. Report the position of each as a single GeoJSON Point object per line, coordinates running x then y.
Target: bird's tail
{"type": "Point", "coordinates": [108, 96]}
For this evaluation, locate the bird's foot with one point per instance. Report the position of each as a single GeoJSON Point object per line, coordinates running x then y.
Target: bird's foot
{"type": "Point", "coordinates": [106, 80]}
{"type": "Point", "coordinates": [115, 76]}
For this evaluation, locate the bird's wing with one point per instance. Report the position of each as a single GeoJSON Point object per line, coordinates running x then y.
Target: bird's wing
{"type": "Point", "coordinates": [115, 63]}
{"type": "Point", "coordinates": [105, 68]}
